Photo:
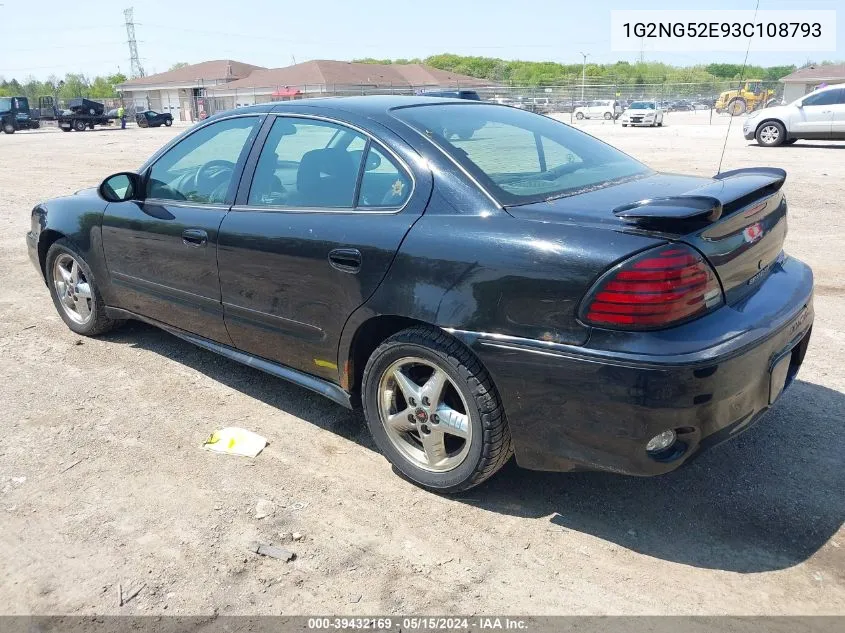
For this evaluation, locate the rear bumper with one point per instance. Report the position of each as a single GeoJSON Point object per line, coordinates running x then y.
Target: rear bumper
{"type": "Point", "coordinates": [572, 408]}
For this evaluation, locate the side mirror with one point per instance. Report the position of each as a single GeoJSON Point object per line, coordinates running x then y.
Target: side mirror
{"type": "Point", "coordinates": [800, 104]}
{"type": "Point", "coordinates": [120, 187]}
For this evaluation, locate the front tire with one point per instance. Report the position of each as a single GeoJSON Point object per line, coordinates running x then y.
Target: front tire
{"type": "Point", "coordinates": [74, 291]}
{"type": "Point", "coordinates": [8, 128]}
{"type": "Point", "coordinates": [771, 134]}
{"type": "Point", "coordinates": [434, 412]}
{"type": "Point", "coordinates": [608, 116]}
{"type": "Point", "coordinates": [737, 107]}
{"type": "Point", "coordinates": [79, 125]}
{"type": "Point", "coordinates": [168, 122]}
{"type": "Point", "coordinates": [579, 116]}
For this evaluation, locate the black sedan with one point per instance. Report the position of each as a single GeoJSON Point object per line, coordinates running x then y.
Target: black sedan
{"type": "Point", "coordinates": [529, 290]}
{"type": "Point", "coordinates": [153, 119]}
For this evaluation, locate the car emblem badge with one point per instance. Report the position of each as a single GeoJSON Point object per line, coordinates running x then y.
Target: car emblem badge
{"type": "Point", "coordinates": [753, 232]}
{"type": "Point", "coordinates": [422, 416]}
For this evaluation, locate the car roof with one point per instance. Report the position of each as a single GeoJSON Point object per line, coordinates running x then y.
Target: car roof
{"type": "Point", "coordinates": [371, 105]}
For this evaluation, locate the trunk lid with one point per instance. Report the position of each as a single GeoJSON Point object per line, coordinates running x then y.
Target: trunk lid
{"type": "Point", "coordinates": [737, 219]}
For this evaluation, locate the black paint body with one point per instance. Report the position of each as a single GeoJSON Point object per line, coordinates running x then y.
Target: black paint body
{"type": "Point", "coordinates": [508, 282]}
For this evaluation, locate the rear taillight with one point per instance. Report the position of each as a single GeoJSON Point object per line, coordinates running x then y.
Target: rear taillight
{"type": "Point", "coordinates": [658, 288]}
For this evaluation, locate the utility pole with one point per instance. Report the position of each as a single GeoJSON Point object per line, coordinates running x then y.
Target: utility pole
{"type": "Point", "coordinates": [583, 73]}
{"type": "Point", "coordinates": [136, 70]}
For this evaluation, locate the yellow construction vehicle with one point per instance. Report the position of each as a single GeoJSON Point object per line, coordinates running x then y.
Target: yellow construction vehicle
{"type": "Point", "coordinates": [752, 96]}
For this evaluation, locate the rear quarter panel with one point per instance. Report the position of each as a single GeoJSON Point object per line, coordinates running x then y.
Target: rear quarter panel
{"type": "Point", "coordinates": [489, 272]}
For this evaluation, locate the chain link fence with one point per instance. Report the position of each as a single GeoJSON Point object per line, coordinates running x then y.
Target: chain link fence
{"type": "Point", "coordinates": [196, 104]}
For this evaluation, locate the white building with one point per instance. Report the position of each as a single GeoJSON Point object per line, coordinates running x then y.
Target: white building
{"type": "Point", "coordinates": [808, 79]}
{"type": "Point", "coordinates": [181, 92]}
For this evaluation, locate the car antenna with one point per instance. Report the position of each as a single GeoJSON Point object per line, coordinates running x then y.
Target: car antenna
{"type": "Point", "coordinates": [741, 79]}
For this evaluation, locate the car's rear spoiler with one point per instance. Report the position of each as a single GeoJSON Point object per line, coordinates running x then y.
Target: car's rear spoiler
{"type": "Point", "coordinates": [727, 192]}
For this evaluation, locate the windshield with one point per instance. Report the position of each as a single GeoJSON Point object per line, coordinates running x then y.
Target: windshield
{"type": "Point", "coordinates": [5, 104]}
{"type": "Point", "coordinates": [520, 157]}
{"type": "Point", "coordinates": [642, 105]}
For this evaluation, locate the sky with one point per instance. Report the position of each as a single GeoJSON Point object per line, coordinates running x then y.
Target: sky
{"type": "Point", "coordinates": [47, 37]}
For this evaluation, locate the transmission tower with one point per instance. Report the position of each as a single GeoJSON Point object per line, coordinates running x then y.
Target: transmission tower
{"type": "Point", "coordinates": [136, 70]}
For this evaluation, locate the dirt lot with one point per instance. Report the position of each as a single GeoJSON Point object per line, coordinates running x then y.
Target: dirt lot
{"type": "Point", "coordinates": [103, 482]}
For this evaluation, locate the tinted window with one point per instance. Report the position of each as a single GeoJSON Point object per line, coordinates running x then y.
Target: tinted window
{"type": "Point", "coordinates": [383, 184]}
{"type": "Point", "coordinates": [642, 105]}
{"type": "Point", "coordinates": [308, 164]}
{"type": "Point", "coordinates": [5, 104]}
{"type": "Point", "coordinates": [828, 97]}
{"type": "Point", "coordinates": [518, 156]}
{"type": "Point", "coordinates": [201, 167]}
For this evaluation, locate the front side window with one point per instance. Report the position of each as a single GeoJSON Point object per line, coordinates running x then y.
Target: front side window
{"type": "Point", "coordinates": [5, 104]}
{"type": "Point", "coordinates": [201, 167]}
{"type": "Point", "coordinates": [307, 163]}
{"type": "Point", "coordinates": [520, 157]}
{"type": "Point", "coordinates": [829, 97]}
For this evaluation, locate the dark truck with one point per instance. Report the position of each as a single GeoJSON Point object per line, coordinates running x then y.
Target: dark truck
{"type": "Point", "coordinates": [82, 114]}
{"type": "Point", "coordinates": [15, 115]}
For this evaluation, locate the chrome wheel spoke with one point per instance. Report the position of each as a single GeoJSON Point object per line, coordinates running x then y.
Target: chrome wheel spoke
{"type": "Point", "coordinates": [74, 272]}
{"type": "Point", "coordinates": [82, 308]}
{"type": "Point", "coordinates": [452, 422]}
{"type": "Point", "coordinates": [399, 421]}
{"type": "Point", "coordinates": [434, 447]}
{"type": "Point", "coordinates": [432, 390]}
{"type": "Point", "coordinates": [409, 389]}
{"type": "Point", "coordinates": [83, 290]}
{"type": "Point", "coordinates": [65, 274]}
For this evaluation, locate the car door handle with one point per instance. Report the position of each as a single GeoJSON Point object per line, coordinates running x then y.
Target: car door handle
{"type": "Point", "coordinates": [347, 260]}
{"type": "Point", "coordinates": [194, 237]}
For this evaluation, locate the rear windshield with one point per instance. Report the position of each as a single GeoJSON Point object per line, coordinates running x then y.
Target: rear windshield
{"type": "Point", "coordinates": [5, 104]}
{"type": "Point", "coordinates": [642, 105]}
{"type": "Point", "coordinates": [518, 156]}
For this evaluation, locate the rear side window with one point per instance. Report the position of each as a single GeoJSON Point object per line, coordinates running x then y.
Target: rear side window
{"type": "Point", "coordinates": [518, 156]}
{"type": "Point", "coordinates": [307, 163]}
{"type": "Point", "coordinates": [313, 164]}
{"type": "Point", "coordinates": [384, 185]}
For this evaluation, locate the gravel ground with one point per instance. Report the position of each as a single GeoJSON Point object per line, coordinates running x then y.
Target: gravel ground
{"type": "Point", "coordinates": [103, 482]}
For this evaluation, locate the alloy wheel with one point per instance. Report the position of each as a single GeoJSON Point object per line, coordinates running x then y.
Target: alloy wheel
{"type": "Point", "coordinates": [72, 289]}
{"type": "Point", "coordinates": [424, 414]}
{"type": "Point", "coordinates": [769, 134]}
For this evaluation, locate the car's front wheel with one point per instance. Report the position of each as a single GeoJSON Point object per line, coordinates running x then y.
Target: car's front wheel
{"type": "Point", "coordinates": [607, 116]}
{"type": "Point", "coordinates": [74, 291]}
{"type": "Point", "coordinates": [168, 122]}
{"type": "Point", "coordinates": [579, 115]}
{"type": "Point", "coordinates": [771, 134]}
{"type": "Point", "coordinates": [434, 411]}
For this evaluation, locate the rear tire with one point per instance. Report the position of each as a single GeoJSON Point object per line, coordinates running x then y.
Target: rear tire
{"type": "Point", "coordinates": [8, 128]}
{"type": "Point", "coordinates": [168, 122]}
{"type": "Point", "coordinates": [771, 134]}
{"type": "Point", "coordinates": [608, 116]}
{"type": "Point", "coordinates": [447, 443]}
{"type": "Point", "coordinates": [79, 125]}
{"type": "Point", "coordinates": [74, 291]}
{"type": "Point", "coordinates": [579, 116]}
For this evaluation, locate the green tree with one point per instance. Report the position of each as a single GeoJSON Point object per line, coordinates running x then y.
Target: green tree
{"type": "Point", "coordinates": [178, 65]}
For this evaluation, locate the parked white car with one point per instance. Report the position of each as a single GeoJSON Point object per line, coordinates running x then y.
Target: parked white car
{"type": "Point", "coordinates": [607, 109]}
{"type": "Point", "coordinates": [643, 113]}
{"type": "Point", "coordinates": [819, 115]}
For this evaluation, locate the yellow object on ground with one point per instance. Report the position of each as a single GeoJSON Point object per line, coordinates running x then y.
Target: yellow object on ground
{"type": "Point", "coordinates": [235, 441]}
